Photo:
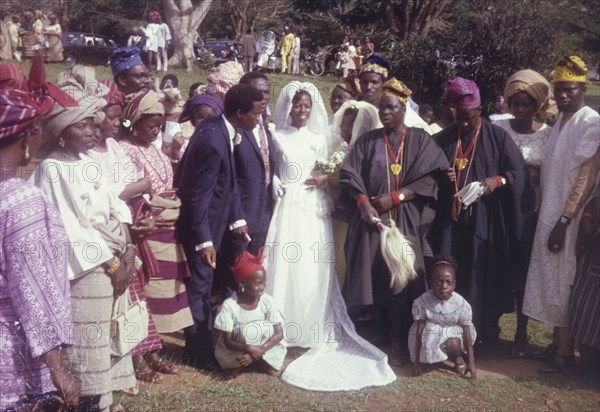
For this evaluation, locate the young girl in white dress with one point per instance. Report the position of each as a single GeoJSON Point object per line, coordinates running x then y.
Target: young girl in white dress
{"type": "Point", "coordinates": [250, 323]}
{"type": "Point", "coordinates": [301, 257]}
{"type": "Point", "coordinates": [443, 327]}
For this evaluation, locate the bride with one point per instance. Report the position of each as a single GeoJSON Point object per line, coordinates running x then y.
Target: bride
{"type": "Point", "coordinates": [301, 257]}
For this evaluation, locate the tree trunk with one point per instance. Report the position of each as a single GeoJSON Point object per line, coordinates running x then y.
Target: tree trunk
{"type": "Point", "coordinates": [184, 18]}
{"type": "Point", "coordinates": [390, 16]}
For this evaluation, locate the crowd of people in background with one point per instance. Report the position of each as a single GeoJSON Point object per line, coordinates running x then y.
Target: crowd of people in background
{"type": "Point", "coordinates": [29, 34]}
{"type": "Point", "coordinates": [372, 237]}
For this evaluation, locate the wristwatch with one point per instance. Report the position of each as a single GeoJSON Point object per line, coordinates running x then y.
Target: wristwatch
{"type": "Point", "coordinates": [564, 220]}
{"type": "Point", "coordinates": [401, 196]}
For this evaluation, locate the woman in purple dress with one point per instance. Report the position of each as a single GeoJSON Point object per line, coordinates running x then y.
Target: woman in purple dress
{"type": "Point", "coordinates": [35, 303]}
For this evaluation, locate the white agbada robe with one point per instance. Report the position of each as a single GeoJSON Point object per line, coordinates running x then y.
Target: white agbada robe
{"type": "Point", "coordinates": [551, 275]}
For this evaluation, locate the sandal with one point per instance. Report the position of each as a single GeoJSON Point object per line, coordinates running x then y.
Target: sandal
{"type": "Point", "coordinates": [459, 365]}
{"type": "Point", "coordinates": [519, 348]}
{"type": "Point", "coordinates": [143, 372]}
{"type": "Point", "coordinates": [158, 364]}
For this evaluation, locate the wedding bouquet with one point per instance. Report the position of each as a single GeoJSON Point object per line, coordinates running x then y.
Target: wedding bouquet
{"type": "Point", "coordinates": [329, 167]}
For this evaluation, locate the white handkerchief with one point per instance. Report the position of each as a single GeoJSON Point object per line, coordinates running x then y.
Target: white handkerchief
{"type": "Point", "coordinates": [470, 194]}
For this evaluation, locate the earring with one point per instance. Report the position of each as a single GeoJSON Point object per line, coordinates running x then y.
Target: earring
{"type": "Point", "coordinates": [242, 287]}
{"type": "Point", "coordinates": [61, 142]}
{"type": "Point", "coordinates": [134, 132]}
{"type": "Point", "coordinates": [27, 155]}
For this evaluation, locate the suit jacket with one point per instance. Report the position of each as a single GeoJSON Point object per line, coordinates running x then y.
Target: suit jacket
{"type": "Point", "coordinates": [256, 199]}
{"type": "Point", "coordinates": [207, 187]}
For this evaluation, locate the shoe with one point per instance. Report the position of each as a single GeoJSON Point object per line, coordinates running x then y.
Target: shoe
{"type": "Point", "coordinates": [543, 354]}
{"type": "Point", "coordinates": [519, 348]}
{"type": "Point", "coordinates": [556, 364]}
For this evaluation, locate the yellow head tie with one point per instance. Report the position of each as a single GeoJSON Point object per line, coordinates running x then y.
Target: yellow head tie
{"type": "Point", "coordinates": [403, 99]}
{"type": "Point", "coordinates": [570, 69]}
{"type": "Point", "coordinates": [374, 68]}
{"type": "Point", "coordinates": [396, 88]}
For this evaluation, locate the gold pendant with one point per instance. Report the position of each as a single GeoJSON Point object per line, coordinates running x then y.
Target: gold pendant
{"type": "Point", "coordinates": [461, 163]}
{"type": "Point", "coordinates": [396, 169]}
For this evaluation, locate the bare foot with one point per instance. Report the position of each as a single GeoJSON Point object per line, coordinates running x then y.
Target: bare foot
{"type": "Point", "coordinates": [269, 370]}
{"type": "Point", "coordinates": [274, 372]}
{"type": "Point", "coordinates": [232, 373]}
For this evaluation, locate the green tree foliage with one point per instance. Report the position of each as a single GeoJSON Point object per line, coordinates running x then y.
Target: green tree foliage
{"type": "Point", "coordinates": [486, 41]}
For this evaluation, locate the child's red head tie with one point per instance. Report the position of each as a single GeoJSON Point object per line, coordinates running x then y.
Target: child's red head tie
{"type": "Point", "coordinates": [246, 264]}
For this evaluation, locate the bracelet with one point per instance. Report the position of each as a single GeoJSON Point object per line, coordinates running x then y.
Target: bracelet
{"type": "Point", "coordinates": [174, 161]}
{"type": "Point", "coordinates": [395, 198]}
{"type": "Point", "coordinates": [130, 245]}
{"type": "Point", "coordinates": [499, 181]}
{"type": "Point", "coordinates": [361, 199]}
{"type": "Point", "coordinates": [587, 215]}
{"type": "Point", "coordinates": [111, 270]}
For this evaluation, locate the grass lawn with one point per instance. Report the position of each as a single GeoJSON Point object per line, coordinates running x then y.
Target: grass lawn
{"type": "Point", "coordinates": [504, 384]}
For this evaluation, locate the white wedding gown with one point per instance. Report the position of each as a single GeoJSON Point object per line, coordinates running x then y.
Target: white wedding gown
{"type": "Point", "coordinates": [301, 278]}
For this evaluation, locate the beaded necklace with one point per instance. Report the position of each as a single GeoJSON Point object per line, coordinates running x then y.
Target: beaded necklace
{"type": "Point", "coordinates": [397, 160]}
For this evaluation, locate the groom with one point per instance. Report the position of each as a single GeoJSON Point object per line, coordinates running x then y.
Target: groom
{"type": "Point", "coordinates": [210, 207]}
{"type": "Point", "coordinates": [254, 166]}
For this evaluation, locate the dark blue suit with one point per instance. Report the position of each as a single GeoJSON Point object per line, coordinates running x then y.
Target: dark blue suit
{"type": "Point", "coordinates": [256, 202]}
{"type": "Point", "coordinates": [209, 203]}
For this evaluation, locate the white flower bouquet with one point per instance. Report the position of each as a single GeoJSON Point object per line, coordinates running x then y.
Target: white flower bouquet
{"type": "Point", "coordinates": [330, 167]}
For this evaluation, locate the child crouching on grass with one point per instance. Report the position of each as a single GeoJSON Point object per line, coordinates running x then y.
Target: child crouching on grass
{"type": "Point", "coordinates": [443, 327]}
{"type": "Point", "coordinates": [250, 323]}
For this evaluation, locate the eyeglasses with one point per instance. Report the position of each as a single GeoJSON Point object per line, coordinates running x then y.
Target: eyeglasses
{"type": "Point", "coordinates": [140, 75]}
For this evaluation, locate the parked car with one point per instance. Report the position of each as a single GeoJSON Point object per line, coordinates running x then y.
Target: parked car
{"type": "Point", "coordinates": [223, 50]}
{"type": "Point", "coordinates": [87, 48]}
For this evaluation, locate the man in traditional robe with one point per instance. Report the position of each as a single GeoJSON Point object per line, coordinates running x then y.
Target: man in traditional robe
{"type": "Point", "coordinates": [491, 238]}
{"type": "Point", "coordinates": [391, 173]}
{"type": "Point", "coordinates": [569, 173]}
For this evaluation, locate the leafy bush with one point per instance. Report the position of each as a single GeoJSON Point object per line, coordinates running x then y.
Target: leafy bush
{"type": "Point", "coordinates": [487, 42]}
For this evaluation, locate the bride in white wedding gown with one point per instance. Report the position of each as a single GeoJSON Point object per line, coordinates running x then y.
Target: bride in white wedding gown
{"type": "Point", "coordinates": [301, 257]}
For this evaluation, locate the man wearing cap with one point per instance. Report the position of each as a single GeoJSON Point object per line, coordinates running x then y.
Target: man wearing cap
{"type": "Point", "coordinates": [569, 174]}
{"type": "Point", "coordinates": [375, 71]}
{"type": "Point", "coordinates": [130, 74]}
{"type": "Point", "coordinates": [491, 237]}
{"type": "Point", "coordinates": [392, 174]}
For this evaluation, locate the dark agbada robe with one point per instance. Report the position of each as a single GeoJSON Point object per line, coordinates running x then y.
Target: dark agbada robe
{"type": "Point", "coordinates": [365, 171]}
{"type": "Point", "coordinates": [492, 239]}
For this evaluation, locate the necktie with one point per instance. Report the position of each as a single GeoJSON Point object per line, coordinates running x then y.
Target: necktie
{"type": "Point", "coordinates": [264, 151]}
